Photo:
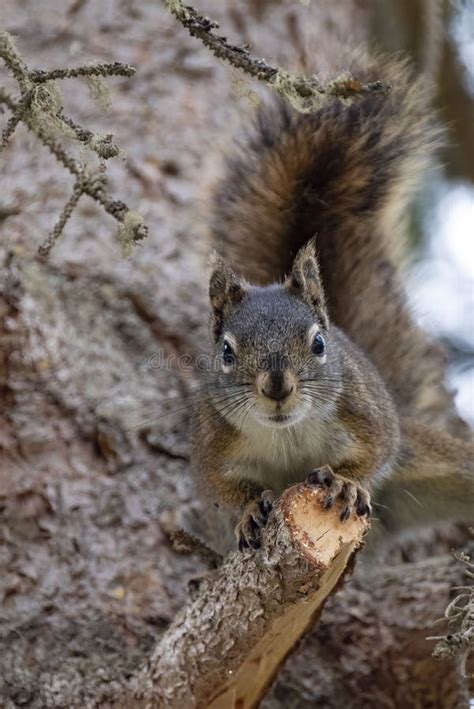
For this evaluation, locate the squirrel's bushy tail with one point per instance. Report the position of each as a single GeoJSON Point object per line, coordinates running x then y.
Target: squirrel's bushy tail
{"type": "Point", "coordinates": [326, 173]}
{"type": "Point", "coordinates": [344, 174]}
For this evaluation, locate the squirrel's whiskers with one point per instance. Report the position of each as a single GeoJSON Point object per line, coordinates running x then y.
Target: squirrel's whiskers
{"type": "Point", "coordinates": [316, 360]}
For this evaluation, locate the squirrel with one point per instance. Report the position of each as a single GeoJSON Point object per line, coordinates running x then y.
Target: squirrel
{"type": "Point", "coordinates": [322, 374]}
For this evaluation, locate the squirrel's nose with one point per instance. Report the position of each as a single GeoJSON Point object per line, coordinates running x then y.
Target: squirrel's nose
{"type": "Point", "coordinates": [277, 394]}
{"type": "Point", "coordinates": [275, 388]}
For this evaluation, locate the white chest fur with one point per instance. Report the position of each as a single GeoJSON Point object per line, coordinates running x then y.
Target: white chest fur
{"type": "Point", "coordinates": [277, 457]}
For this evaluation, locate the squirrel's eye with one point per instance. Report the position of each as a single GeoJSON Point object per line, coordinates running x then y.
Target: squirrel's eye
{"type": "Point", "coordinates": [228, 355]}
{"type": "Point", "coordinates": [319, 345]}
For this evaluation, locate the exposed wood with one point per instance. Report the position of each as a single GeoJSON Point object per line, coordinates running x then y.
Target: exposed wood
{"type": "Point", "coordinates": [226, 646]}
{"type": "Point", "coordinates": [372, 647]}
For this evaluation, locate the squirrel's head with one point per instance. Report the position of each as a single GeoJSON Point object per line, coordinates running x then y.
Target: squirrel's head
{"type": "Point", "coordinates": [274, 359]}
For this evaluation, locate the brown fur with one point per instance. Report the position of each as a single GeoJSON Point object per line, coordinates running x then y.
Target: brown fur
{"type": "Point", "coordinates": [433, 480]}
{"type": "Point", "coordinates": [344, 174]}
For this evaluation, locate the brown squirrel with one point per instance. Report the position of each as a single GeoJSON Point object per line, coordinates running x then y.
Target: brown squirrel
{"type": "Point", "coordinates": [320, 365]}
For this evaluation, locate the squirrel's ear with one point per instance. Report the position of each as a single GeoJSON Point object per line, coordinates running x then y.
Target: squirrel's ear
{"type": "Point", "coordinates": [304, 281]}
{"type": "Point", "coordinates": [226, 290]}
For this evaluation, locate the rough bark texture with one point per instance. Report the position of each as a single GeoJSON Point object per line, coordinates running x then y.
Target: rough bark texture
{"type": "Point", "coordinates": [371, 649]}
{"type": "Point", "coordinates": [93, 435]}
{"type": "Point", "coordinates": [225, 648]}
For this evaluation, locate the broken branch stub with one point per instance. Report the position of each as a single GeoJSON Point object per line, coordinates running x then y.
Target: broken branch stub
{"type": "Point", "coordinates": [227, 645]}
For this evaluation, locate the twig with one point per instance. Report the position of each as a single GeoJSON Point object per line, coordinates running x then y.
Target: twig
{"type": "Point", "coordinates": [77, 192]}
{"type": "Point", "coordinates": [19, 111]}
{"type": "Point", "coordinates": [103, 145]}
{"type": "Point", "coordinates": [189, 544]}
{"type": "Point", "coordinates": [459, 612]}
{"type": "Point", "coordinates": [303, 92]}
{"type": "Point", "coordinates": [40, 108]}
{"type": "Point", "coordinates": [115, 69]}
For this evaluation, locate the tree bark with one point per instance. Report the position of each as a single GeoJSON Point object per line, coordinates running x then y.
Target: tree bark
{"type": "Point", "coordinates": [93, 438]}
{"type": "Point", "coordinates": [226, 646]}
{"type": "Point", "coordinates": [371, 648]}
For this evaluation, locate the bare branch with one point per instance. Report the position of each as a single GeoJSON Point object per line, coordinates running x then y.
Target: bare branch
{"type": "Point", "coordinates": [40, 108]}
{"type": "Point", "coordinates": [115, 69]}
{"type": "Point", "coordinates": [103, 145]}
{"type": "Point", "coordinates": [77, 192]}
{"type": "Point", "coordinates": [19, 111]}
{"type": "Point", "coordinates": [303, 92]}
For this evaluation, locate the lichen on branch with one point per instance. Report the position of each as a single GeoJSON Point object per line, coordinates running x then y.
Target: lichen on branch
{"type": "Point", "coordinates": [40, 107]}
{"type": "Point", "coordinates": [460, 616]}
{"type": "Point", "coordinates": [304, 93]}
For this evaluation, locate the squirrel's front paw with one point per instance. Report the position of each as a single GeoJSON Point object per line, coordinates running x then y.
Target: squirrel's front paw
{"type": "Point", "coordinates": [354, 499]}
{"type": "Point", "coordinates": [254, 517]}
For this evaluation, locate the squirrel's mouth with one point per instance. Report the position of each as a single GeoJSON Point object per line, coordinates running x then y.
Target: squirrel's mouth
{"type": "Point", "coordinates": [280, 418]}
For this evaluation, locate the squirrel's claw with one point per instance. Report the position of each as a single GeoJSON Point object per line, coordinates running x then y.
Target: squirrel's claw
{"type": "Point", "coordinates": [254, 517]}
{"type": "Point", "coordinates": [354, 499]}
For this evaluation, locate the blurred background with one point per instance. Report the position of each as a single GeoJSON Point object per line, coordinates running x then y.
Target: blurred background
{"type": "Point", "coordinates": [440, 38]}
{"type": "Point", "coordinates": [93, 442]}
